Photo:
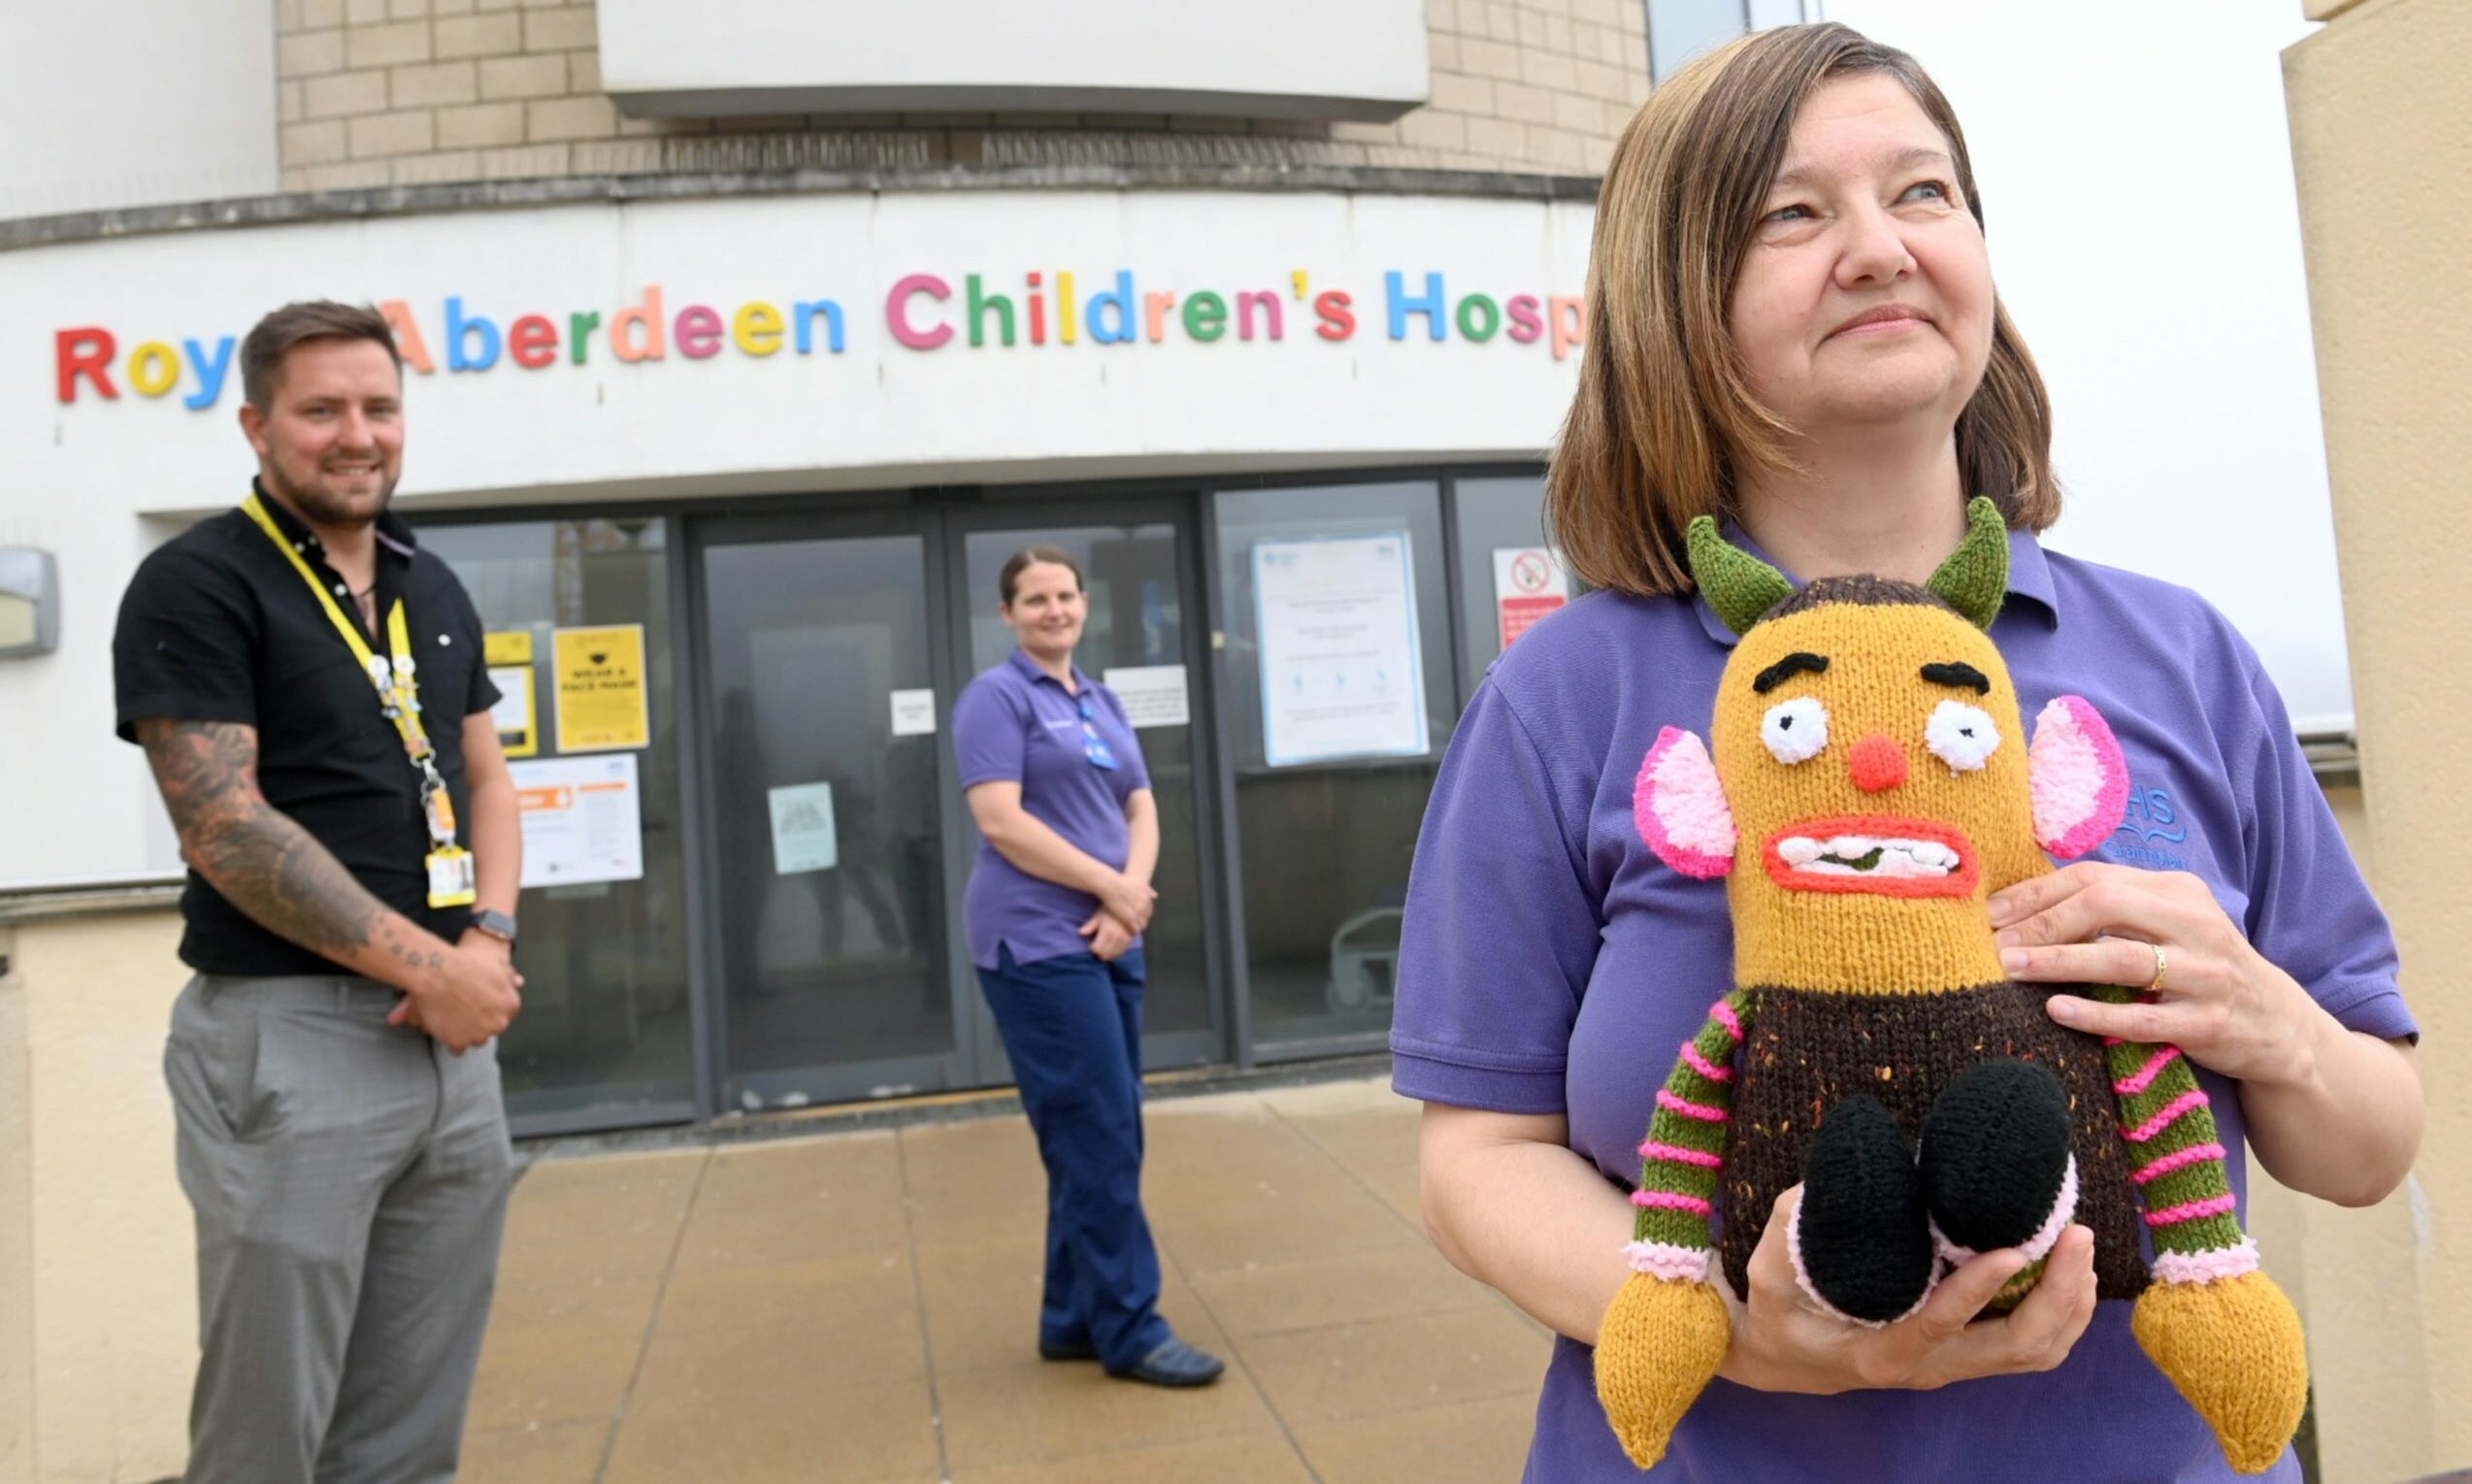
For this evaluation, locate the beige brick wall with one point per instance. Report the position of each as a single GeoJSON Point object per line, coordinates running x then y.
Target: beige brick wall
{"type": "Point", "coordinates": [409, 92]}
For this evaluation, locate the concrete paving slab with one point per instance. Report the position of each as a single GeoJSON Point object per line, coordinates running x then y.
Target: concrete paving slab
{"type": "Point", "coordinates": [1349, 1288]}
{"type": "Point", "coordinates": [1399, 1365]}
{"type": "Point", "coordinates": [861, 1307]}
{"type": "Point", "coordinates": [1473, 1442]}
{"type": "Point", "coordinates": [559, 1453]}
{"type": "Point", "coordinates": [1250, 1459]}
{"type": "Point", "coordinates": [611, 1217]}
{"type": "Point", "coordinates": [561, 1350]}
{"type": "Point", "coordinates": [757, 1427]}
{"type": "Point", "coordinates": [1043, 1413]}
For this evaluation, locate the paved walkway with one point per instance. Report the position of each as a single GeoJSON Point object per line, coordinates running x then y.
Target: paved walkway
{"type": "Point", "coordinates": [860, 1309]}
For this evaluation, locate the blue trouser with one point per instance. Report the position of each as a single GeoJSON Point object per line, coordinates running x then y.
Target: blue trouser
{"type": "Point", "coordinates": [1073, 1027]}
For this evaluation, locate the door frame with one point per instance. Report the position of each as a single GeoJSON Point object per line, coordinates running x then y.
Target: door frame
{"type": "Point", "coordinates": [1028, 508]}
{"type": "Point", "coordinates": [947, 1069]}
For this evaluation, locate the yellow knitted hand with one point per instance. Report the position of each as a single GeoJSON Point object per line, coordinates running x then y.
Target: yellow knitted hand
{"type": "Point", "coordinates": [1657, 1347]}
{"type": "Point", "coordinates": [2233, 1349]}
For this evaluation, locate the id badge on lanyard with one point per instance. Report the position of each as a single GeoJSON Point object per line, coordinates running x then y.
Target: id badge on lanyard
{"type": "Point", "coordinates": [1093, 745]}
{"type": "Point", "coordinates": [453, 879]}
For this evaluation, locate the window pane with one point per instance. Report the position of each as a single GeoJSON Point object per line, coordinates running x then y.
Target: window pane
{"type": "Point", "coordinates": [1326, 842]}
{"type": "Point", "coordinates": [1679, 30]}
{"type": "Point", "coordinates": [1766, 13]}
{"type": "Point", "coordinates": [604, 1024]}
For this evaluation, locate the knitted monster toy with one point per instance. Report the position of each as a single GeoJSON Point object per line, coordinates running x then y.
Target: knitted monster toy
{"type": "Point", "coordinates": [1867, 792]}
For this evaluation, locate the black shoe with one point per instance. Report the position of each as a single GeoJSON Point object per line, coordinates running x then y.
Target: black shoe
{"type": "Point", "coordinates": [1173, 1363]}
{"type": "Point", "coordinates": [1863, 1241]}
{"type": "Point", "coordinates": [1067, 1350]}
{"type": "Point", "coordinates": [1994, 1154]}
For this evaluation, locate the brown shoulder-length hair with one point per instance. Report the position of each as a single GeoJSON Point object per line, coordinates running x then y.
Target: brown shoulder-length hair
{"type": "Point", "coordinates": [1020, 561]}
{"type": "Point", "coordinates": [1664, 407]}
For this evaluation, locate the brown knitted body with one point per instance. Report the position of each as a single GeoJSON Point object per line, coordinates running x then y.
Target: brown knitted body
{"type": "Point", "coordinates": [1804, 1051]}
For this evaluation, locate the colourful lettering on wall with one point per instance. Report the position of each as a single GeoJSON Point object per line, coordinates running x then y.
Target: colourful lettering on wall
{"type": "Point", "coordinates": [922, 311]}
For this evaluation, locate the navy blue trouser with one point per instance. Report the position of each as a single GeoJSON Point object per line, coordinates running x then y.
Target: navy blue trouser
{"type": "Point", "coordinates": [1073, 1027]}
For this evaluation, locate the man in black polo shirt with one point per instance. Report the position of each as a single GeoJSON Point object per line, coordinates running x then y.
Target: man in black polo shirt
{"type": "Point", "coordinates": [309, 690]}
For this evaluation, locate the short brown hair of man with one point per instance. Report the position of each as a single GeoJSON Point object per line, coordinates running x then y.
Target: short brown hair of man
{"type": "Point", "coordinates": [1009, 578]}
{"type": "Point", "coordinates": [273, 337]}
{"type": "Point", "coordinates": [1664, 407]}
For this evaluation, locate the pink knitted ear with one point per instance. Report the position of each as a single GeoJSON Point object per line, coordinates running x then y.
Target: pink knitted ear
{"type": "Point", "coordinates": [1680, 807]}
{"type": "Point", "coordinates": [2079, 778]}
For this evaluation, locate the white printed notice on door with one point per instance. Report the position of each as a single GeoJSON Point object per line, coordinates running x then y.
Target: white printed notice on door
{"type": "Point", "coordinates": [804, 837]}
{"type": "Point", "coordinates": [913, 713]}
{"type": "Point", "coordinates": [1153, 695]}
{"type": "Point", "coordinates": [1342, 672]}
{"type": "Point", "coordinates": [582, 819]}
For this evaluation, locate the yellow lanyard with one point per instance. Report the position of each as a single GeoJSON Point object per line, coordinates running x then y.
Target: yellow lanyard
{"type": "Point", "coordinates": [398, 690]}
{"type": "Point", "coordinates": [449, 865]}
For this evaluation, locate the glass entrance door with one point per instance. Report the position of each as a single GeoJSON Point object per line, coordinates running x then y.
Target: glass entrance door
{"type": "Point", "coordinates": [1143, 641]}
{"type": "Point", "coordinates": [818, 672]}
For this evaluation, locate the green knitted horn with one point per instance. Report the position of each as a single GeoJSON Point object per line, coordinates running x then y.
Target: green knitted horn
{"type": "Point", "coordinates": [1974, 579]}
{"type": "Point", "coordinates": [1739, 586]}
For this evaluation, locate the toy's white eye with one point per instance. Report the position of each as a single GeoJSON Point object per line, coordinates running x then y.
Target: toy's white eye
{"type": "Point", "coordinates": [1795, 730]}
{"type": "Point", "coordinates": [1962, 735]}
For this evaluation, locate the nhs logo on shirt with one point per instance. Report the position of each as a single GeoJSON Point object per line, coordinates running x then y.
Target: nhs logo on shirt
{"type": "Point", "coordinates": [2152, 835]}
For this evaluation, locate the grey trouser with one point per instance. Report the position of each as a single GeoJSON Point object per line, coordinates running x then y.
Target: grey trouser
{"type": "Point", "coordinates": [349, 1179]}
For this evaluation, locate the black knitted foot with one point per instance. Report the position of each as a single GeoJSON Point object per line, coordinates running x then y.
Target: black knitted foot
{"type": "Point", "coordinates": [1862, 1240]}
{"type": "Point", "coordinates": [1994, 1154]}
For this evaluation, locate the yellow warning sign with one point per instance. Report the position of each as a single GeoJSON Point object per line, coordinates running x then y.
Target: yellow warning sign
{"type": "Point", "coordinates": [507, 647]}
{"type": "Point", "coordinates": [602, 706]}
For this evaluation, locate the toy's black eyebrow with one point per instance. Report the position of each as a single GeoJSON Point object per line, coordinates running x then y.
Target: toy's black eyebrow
{"type": "Point", "coordinates": [1961, 674]}
{"type": "Point", "coordinates": [1787, 669]}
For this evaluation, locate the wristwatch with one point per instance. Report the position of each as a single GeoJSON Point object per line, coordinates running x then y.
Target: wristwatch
{"type": "Point", "coordinates": [497, 925]}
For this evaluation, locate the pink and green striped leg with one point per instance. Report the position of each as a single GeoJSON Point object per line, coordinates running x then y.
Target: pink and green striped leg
{"type": "Point", "coordinates": [1666, 1331]}
{"type": "Point", "coordinates": [1685, 1152]}
{"type": "Point", "coordinates": [2212, 1320]}
{"type": "Point", "coordinates": [2176, 1160]}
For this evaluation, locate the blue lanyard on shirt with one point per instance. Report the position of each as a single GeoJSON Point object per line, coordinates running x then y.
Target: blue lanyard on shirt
{"type": "Point", "coordinates": [1093, 745]}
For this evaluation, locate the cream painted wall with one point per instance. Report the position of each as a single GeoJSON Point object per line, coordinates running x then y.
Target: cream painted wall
{"type": "Point", "coordinates": [98, 1302]}
{"type": "Point", "coordinates": [2377, 99]}
{"type": "Point", "coordinates": [16, 1221]}
{"type": "Point", "coordinates": [2356, 1276]}
{"type": "Point", "coordinates": [113, 103]}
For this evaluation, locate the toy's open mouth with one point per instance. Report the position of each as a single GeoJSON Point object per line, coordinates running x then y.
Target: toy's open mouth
{"type": "Point", "coordinates": [1877, 853]}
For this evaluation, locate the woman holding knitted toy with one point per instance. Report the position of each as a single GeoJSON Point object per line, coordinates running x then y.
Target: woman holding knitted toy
{"type": "Point", "coordinates": [1793, 330]}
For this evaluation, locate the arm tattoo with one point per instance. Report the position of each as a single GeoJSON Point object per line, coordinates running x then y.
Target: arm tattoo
{"type": "Point", "coordinates": [258, 857]}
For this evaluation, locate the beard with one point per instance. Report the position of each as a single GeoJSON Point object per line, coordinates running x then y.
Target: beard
{"type": "Point", "coordinates": [321, 503]}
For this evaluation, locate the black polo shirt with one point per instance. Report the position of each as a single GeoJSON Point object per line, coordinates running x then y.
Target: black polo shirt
{"type": "Point", "coordinates": [218, 626]}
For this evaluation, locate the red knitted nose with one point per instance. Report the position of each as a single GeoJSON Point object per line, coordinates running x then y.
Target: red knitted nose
{"type": "Point", "coordinates": [1876, 763]}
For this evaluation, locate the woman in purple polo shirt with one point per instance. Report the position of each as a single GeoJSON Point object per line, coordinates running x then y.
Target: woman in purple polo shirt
{"type": "Point", "coordinates": [1068, 835]}
{"type": "Point", "coordinates": [1793, 327]}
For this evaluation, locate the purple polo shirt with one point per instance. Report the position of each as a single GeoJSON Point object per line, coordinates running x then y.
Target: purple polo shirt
{"type": "Point", "coordinates": [1017, 724]}
{"type": "Point", "coordinates": [1550, 964]}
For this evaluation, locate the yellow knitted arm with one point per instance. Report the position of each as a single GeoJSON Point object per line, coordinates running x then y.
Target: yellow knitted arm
{"type": "Point", "coordinates": [2212, 1320]}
